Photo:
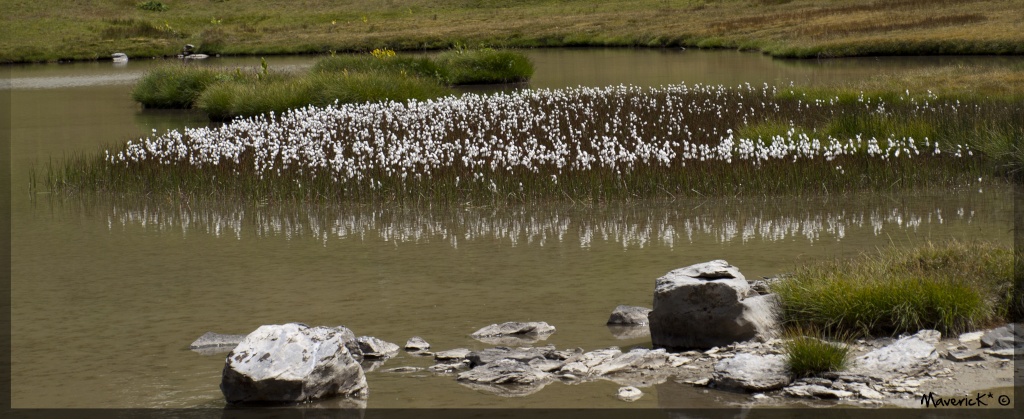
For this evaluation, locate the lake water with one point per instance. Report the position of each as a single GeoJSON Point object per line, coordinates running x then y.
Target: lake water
{"type": "Point", "coordinates": [107, 294]}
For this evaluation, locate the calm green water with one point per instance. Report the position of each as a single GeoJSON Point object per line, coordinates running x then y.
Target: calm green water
{"type": "Point", "coordinates": [107, 295]}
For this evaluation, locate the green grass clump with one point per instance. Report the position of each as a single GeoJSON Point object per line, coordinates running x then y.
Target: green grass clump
{"type": "Point", "coordinates": [175, 86]}
{"type": "Point", "coordinates": [951, 287]}
{"type": "Point", "coordinates": [153, 6]}
{"type": "Point", "coordinates": [807, 354]}
{"type": "Point", "coordinates": [459, 67]}
{"type": "Point", "coordinates": [231, 99]}
{"type": "Point", "coordinates": [454, 67]}
{"type": "Point", "coordinates": [225, 94]}
{"type": "Point", "coordinates": [421, 66]}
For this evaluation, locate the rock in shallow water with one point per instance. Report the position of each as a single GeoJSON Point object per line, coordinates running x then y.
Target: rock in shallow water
{"type": "Point", "coordinates": [416, 344]}
{"type": "Point", "coordinates": [629, 394]}
{"type": "Point", "coordinates": [514, 333]}
{"type": "Point", "coordinates": [706, 305]}
{"type": "Point", "coordinates": [506, 372]}
{"type": "Point", "coordinates": [372, 347]}
{"type": "Point", "coordinates": [291, 363]}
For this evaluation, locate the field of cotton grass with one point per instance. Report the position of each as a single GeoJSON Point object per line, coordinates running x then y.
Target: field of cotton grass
{"type": "Point", "coordinates": [574, 144]}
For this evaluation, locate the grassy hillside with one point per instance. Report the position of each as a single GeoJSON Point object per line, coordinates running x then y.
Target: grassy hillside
{"type": "Point", "coordinates": [83, 30]}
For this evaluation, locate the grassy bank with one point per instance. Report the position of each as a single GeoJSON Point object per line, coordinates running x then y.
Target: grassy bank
{"type": "Point", "coordinates": [952, 287]}
{"type": "Point", "coordinates": [383, 75]}
{"type": "Point", "coordinates": [616, 143]}
{"type": "Point", "coordinates": [38, 31]}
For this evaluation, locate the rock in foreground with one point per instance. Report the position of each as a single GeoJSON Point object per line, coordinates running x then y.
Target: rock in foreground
{"type": "Point", "coordinates": [707, 305]}
{"type": "Point", "coordinates": [291, 363]}
{"type": "Point", "coordinates": [909, 356]}
{"type": "Point", "coordinates": [752, 372]}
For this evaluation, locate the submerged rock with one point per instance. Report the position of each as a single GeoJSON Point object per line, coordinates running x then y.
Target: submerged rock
{"type": "Point", "coordinates": [709, 304]}
{"type": "Point", "coordinates": [211, 343]}
{"type": "Point", "coordinates": [291, 363]}
{"type": "Point", "coordinates": [752, 372]}
{"type": "Point", "coordinates": [629, 315]}
{"type": "Point", "coordinates": [629, 331]}
{"type": "Point", "coordinates": [629, 394]}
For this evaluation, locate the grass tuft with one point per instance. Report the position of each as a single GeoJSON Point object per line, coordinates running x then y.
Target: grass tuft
{"type": "Point", "coordinates": [808, 354]}
{"type": "Point", "coordinates": [952, 287]}
{"type": "Point", "coordinates": [175, 86]}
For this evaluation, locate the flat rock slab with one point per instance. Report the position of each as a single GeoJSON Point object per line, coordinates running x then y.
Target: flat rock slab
{"type": "Point", "coordinates": [964, 355]}
{"type": "Point", "coordinates": [291, 363]}
{"type": "Point", "coordinates": [813, 390]}
{"type": "Point", "coordinates": [909, 356]}
{"type": "Point", "coordinates": [505, 371]}
{"type": "Point", "coordinates": [970, 337]}
{"type": "Point", "coordinates": [490, 355]}
{"type": "Point", "coordinates": [514, 329]}
{"type": "Point", "coordinates": [752, 372]}
{"type": "Point", "coordinates": [451, 355]}
{"type": "Point", "coordinates": [1006, 337]}
{"type": "Point", "coordinates": [629, 315]}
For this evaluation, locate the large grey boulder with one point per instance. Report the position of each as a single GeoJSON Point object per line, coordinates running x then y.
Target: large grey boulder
{"type": "Point", "coordinates": [291, 363]}
{"type": "Point", "coordinates": [752, 372]}
{"type": "Point", "coordinates": [707, 305]}
{"type": "Point", "coordinates": [908, 356]}
{"type": "Point", "coordinates": [629, 315]}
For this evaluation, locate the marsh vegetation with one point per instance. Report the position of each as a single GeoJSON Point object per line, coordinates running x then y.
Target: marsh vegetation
{"type": "Point", "coordinates": [572, 144]}
{"type": "Point", "coordinates": [382, 75]}
{"type": "Point", "coordinates": [952, 287]}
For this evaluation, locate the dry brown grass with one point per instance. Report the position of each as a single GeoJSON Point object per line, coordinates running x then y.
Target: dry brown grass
{"type": "Point", "coordinates": [40, 31]}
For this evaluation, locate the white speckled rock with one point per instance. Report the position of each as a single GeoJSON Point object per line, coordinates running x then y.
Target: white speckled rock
{"type": "Point", "coordinates": [752, 372]}
{"type": "Point", "coordinates": [291, 363]}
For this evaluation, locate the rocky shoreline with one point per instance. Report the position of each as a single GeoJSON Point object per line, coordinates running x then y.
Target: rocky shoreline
{"type": "Point", "coordinates": [295, 363]}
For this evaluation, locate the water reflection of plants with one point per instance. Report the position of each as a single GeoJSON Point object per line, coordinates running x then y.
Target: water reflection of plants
{"type": "Point", "coordinates": [575, 144]}
{"type": "Point", "coordinates": [652, 224]}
